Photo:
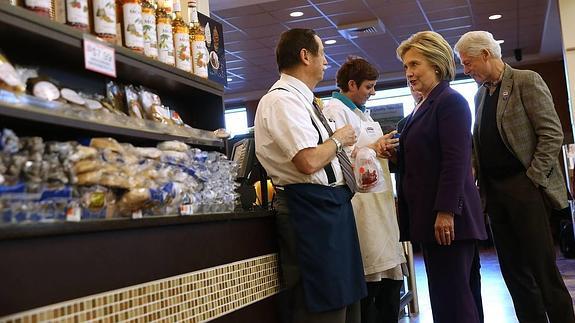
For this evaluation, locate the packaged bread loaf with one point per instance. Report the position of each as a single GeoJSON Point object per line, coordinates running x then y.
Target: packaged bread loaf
{"type": "Point", "coordinates": [43, 88]}
{"type": "Point", "coordinates": [173, 145]}
{"type": "Point", "coordinates": [83, 152]}
{"type": "Point", "coordinates": [89, 178]}
{"type": "Point", "coordinates": [115, 95]}
{"type": "Point", "coordinates": [133, 103]}
{"type": "Point", "coordinates": [133, 200]}
{"type": "Point", "coordinates": [72, 96]}
{"type": "Point", "coordinates": [148, 152]}
{"type": "Point", "coordinates": [109, 143]}
{"type": "Point", "coordinates": [115, 180]}
{"type": "Point", "coordinates": [9, 78]}
{"type": "Point", "coordinates": [86, 165]}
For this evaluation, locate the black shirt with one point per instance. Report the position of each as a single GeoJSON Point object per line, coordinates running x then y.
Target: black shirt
{"type": "Point", "coordinates": [494, 158]}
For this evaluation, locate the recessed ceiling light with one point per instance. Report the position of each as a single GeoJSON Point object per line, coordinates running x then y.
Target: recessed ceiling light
{"type": "Point", "coordinates": [500, 41]}
{"type": "Point", "coordinates": [494, 17]}
{"type": "Point", "coordinates": [330, 41]}
{"type": "Point", "coordinates": [230, 79]}
{"type": "Point", "coordinates": [296, 14]}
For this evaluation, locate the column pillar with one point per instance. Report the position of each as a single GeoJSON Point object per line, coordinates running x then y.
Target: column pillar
{"type": "Point", "coordinates": [567, 16]}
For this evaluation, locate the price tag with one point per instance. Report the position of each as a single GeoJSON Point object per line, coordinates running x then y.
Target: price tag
{"type": "Point", "coordinates": [73, 214]}
{"type": "Point", "coordinates": [186, 209]}
{"type": "Point", "coordinates": [99, 57]}
{"type": "Point", "coordinates": [137, 214]}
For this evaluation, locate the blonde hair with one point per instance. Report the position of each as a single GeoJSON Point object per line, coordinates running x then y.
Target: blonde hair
{"type": "Point", "coordinates": [435, 49]}
{"type": "Point", "coordinates": [474, 42]}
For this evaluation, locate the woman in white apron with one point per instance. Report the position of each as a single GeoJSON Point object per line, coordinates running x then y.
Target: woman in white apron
{"type": "Point", "coordinates": [375, 214]}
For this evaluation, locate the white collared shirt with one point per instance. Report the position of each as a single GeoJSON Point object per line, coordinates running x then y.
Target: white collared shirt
{"type": "Point", "coordinates": [283, 127]}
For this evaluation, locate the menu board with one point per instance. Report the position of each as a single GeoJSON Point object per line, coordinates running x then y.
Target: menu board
{"type": "Point", "coordinates": [215, 44]}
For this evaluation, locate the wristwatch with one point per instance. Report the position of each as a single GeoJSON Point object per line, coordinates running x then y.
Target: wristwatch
{"type": "Point", "coordinates": [337, 144]}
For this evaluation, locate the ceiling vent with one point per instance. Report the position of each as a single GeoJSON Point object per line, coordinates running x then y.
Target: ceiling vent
{"type": "Point", "coordinates": [361, 29]}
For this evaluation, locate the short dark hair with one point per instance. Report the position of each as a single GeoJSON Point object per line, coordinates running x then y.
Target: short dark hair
{"type": "Point", "coordinates": [357, 69]}
{"type": "Point", "coordinates": [290, 45]}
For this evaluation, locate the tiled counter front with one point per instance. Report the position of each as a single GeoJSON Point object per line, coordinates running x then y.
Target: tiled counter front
{"type": "Point", "coordinates": [224, 270]}
{"type": "Point", "coordinates": [195, 297]}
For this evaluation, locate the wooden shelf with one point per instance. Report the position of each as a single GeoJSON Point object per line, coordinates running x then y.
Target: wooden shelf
{"type": "Point", "coordinates": [29, 230]}
{"type": "Point", "coordinates": [34, 40]}
{"type": "Point", "coordinates": [57, 117]}
{"type": "Point", "coordinates": [15, 21]}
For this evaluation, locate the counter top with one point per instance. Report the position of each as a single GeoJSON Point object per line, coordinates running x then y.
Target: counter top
{"type": "Point", "coordinates": [32, 230]}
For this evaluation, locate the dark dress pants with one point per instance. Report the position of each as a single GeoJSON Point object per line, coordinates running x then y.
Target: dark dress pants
{"type": "Point", "coordinates": [452, 277]}
{"type": "Point", "coordinates": [519, 218]}
{"type": "Point", "coordinates": [381, 305]}
{"type": "Point", "coordinates": [475, 283]}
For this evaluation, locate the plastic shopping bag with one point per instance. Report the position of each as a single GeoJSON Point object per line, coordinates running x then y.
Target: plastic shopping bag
{"type": "Point", "coordinates": [368, 172]}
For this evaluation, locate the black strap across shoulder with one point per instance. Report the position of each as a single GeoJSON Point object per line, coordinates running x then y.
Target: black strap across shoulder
{"type": "Point", "coordinates": [328, 168]}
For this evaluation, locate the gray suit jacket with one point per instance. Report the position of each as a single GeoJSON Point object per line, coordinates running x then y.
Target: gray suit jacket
{"type": "Point", "coordinates": [530, 128]}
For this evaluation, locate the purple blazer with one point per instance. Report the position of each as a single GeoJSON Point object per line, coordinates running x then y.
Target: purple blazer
{"type": "Point", "coordinates": [434, 165]}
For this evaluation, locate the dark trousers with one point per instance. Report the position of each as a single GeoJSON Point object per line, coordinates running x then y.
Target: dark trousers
{"type": "Point", "coordinates": [292, 306]}
{"type": "Point", "coordinates": [294, 310]}
{"type": "Point", "coordinates": [475, 284]}
{"type": "Point", "coordinates": [519, 218]}
{"type": "Point", "coordinates": [381, 305]}
{"type": "Point", "coordinates": [453, 280]}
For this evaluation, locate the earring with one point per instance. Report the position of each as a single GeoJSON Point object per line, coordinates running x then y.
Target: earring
{"type": "Point", "coordinates": [436, 72]}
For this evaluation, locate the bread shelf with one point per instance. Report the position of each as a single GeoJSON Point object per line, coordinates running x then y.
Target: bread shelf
{"type": "Point", "coordinates": [28, 230]}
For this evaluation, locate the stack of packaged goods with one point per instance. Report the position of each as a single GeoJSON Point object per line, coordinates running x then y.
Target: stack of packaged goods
{"type": "Point", "coordinates": [120, 105]}
{"type": "Point", "coordinates": [50, 181]}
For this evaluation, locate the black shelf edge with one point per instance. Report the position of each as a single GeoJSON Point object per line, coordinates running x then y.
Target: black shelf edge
{"type": "Point", "coordinates": [26, 112]}
{"type": "Point", "coordinates": [26, 20]}
{"type": "Point", "coordinates": [14, 231]}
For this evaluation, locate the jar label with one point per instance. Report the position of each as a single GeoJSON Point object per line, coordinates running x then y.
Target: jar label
{"type": "Point", "coordinates": [150, 35]}
{"type": "Point", "coordinates": [133, 34]}
{"type": "Point", "coordinates": [182, 48]}
{"type": "Point", "coordinates": [46, 4]}
{"type": "Point", "coordinates": [200, 58]}
{"type": "Point", "coordinates": [105, 17]}
{"type": "Point", "coordinates": [165, 44]}
{"type": "Point", "coordinates": [77, 12]}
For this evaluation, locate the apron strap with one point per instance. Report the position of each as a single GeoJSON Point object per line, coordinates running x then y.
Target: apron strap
{"type": "Point", "coordinates": [328, 168]}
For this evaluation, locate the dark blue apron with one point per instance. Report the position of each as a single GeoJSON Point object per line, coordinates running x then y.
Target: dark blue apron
{"type": "Point", "coordinates": [327, 245]}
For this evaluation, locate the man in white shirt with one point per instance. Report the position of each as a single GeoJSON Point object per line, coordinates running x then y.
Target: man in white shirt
{"type": "Point", "coordinates": [319, 249]}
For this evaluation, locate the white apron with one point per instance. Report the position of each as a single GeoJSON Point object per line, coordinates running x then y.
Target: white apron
{"type": "Point", "coordinates": [375, 213]}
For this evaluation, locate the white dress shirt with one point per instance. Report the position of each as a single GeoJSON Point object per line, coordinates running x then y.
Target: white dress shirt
{"type": "Point", "coordinates": [283, 127]}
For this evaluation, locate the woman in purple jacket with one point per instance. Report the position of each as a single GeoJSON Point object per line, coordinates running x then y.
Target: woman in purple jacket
{"type": "Point", "coordinates": [439, 205]}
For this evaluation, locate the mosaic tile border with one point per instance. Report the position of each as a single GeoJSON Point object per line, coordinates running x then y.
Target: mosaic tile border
{"type": "Point", "coordinates": [198, 296]}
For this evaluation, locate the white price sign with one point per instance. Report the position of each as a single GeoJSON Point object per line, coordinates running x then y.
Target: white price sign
{"type": "Point", "coordinates": [99, 57]}
{"type": "Point", "coordinates": [137, 214]}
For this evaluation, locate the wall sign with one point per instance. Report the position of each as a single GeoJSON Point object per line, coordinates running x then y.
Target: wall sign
{"type": "Point", "coordinates": [215, 44]}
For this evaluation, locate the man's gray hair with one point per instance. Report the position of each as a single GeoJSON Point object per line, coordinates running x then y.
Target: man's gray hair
{"type": "Point", "coordinates": [473, 42]}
